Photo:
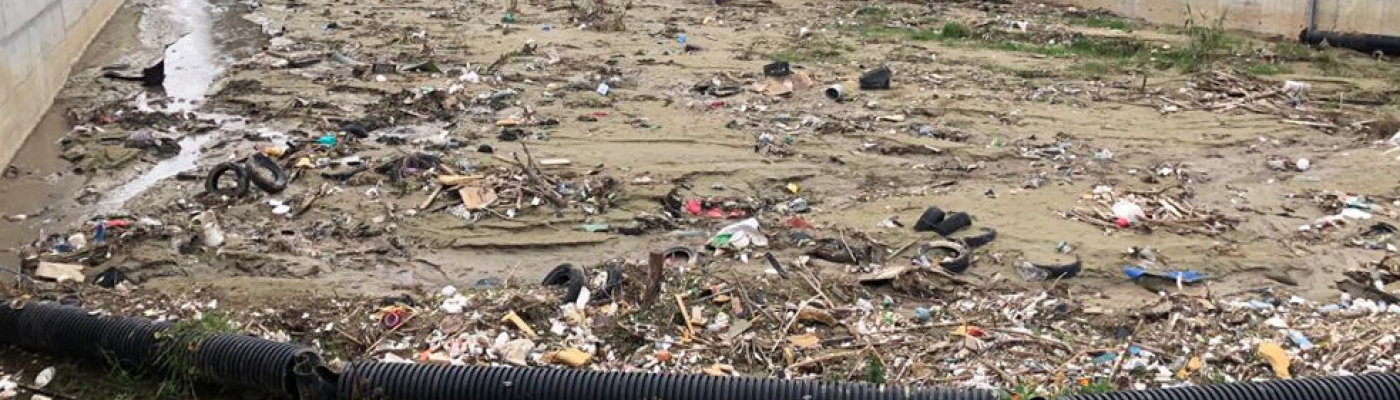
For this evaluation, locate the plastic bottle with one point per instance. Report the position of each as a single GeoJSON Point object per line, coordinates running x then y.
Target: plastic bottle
{"type": "Point", "coordinates": [1126, 213]}
{"type": "Point", "coordinates": [208, 226]}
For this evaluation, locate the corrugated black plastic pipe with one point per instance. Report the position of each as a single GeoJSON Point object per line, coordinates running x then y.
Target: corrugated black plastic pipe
{"type": "Point", "coordinates": [1362, 42]}
{"type": "Point", "coordinates": [401, 381]}
{"type": "Point", "coordinates": [1362, 387]}
{"type": "Point", "coordinates": [250, 362]}
{"type": "Point", "coordinates": [140, 344]}
{"type": "Point", "coordinates": [71, 331]}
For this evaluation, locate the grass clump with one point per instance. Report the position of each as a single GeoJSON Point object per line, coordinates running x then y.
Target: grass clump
{"type": "Point", "coordinates": [874, 14]}
{"type": "Point", "coordinates": [954, 30]}
{"type": "Point", "coordinates": [179, 344]}
{"type": "Point", "coordinates": [1265, 69]}
{"type": "Point", "coordinates": [812, 51]}
{"type": "Point", "coordinates": [1104, 22]}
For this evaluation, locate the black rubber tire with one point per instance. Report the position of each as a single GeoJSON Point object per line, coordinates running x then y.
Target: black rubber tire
{"type": "Point", "coordinates": [679, 252]}
{"type": "Point", "coordinates": [567, 274]}
{"type": "Point", "coordinates": [355, 130]}
{"type": "Point", "coordinates": [876, 79]}
{"type": "Point", "coordinates": [960, 260]}
{"type": "Point", "coordinates": [276, 184]}
{"type": "Point", "coordinates": [953, 223]}
{"type": "Point", "coordinates": [929, 220]}
{"type": "Point", "coordinates": [985, 237]}
{"type": "Point", "coordinates": [211, 183]}
{"type": "Point", "coordinates": [1061, 271]}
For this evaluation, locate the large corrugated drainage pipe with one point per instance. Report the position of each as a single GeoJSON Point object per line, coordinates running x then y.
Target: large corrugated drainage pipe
{"type": "Point", "coordinates": [1361, 387]}
{"type": "Point", "coordinates": [144, 345]}
{"type": "Point", "coordinates": [402, 381]}
{"type": "Point", "coordinates": [296, 371]}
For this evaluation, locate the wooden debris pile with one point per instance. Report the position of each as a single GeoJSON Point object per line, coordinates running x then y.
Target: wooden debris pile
{"type": "Point", "coordinates": [525, 183]}
{"type": "Point", "coordinates": [1168, 209]}
{"type": "Point", "coordinates": [1222, 91]}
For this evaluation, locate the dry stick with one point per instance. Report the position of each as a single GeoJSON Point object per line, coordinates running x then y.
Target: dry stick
{"type": "Point", "coordinates": [824, 358]}
{"type": "Point", "coordinates": [744, 294]}
{"type": "Point", "coordinates": [849, 252]}
{"type": "Point", "coordinates": [903, 248]}
{"type": "Point", "coordinates": [680, 301]}
{"type": "Point", "coordinates": [431, 197]}
{"type": "Point", "coordinates": [817, 287]}
{"type": "Point", "coordinates": [1118, 366]}
{"type": "Point", "coordinates": [787, 326]}
{"type": "Point", "coordinates": [1010, 379]}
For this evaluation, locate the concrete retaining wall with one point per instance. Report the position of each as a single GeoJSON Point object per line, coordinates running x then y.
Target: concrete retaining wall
{"type": "Point", "coordinates": [1274, 17]}
{"type": "Point", "coordinates": [39, 41]}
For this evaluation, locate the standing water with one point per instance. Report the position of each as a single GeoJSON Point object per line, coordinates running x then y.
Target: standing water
{"type": "Point", "coordinates": [191, 66]}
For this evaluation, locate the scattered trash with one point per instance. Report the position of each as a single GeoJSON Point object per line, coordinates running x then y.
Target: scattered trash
{"type": "Point", "coordinates": [876, 79]}
{"type": "Point", "coordinates": [1035, 272]}
{"type": "Point", "coordinates": [835, 92]}
{"type": "Point", "coordinates": [1277, 359]}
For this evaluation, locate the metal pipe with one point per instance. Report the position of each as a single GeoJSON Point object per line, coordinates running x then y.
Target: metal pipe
{"type": "Point", "coordinates": [1312, 16]}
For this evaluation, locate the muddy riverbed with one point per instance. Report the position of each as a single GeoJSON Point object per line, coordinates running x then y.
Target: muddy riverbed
{"type": "Point", "coordinates": [1030, 136]}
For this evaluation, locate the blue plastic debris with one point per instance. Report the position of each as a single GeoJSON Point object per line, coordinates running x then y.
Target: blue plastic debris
{"type": "Point", "coordinates": [922, 315]}
{"type": "Point", "coordinates": [1301, 341]}
{"type": "Point", "coordinates": [1135, 273]}
{"type": "Point", "coordinates": [1105, 358]}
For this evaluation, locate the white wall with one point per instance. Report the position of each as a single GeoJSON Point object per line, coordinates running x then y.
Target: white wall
{"type": "Point", "coordinates": [39, 41]}
{"type": "Point", "coordinates": [1274, 17]}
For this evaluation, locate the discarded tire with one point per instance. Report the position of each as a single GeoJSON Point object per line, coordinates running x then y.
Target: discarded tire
{"type": "Point", "coordinates": [240, 176]}
{"type": "Point", "coordinates": [436, 382]}
{"type": "Point", "coordinates": [953, 223]}
{"type": "Point", "coordinates": [958, 260]}
{"type": "Point", "coordinates": [876, 79]}
{"type": "Point", "coordinates": [929, 220]}
{"type": "Point", "coordinates": [274, 184]}
{"type": "Point", "coordinates": [984, 237]}
{"type": "Point", "coordinates": [1060, 271]}
{"type": "Point", "coordinates": [249, 362]}
{"type": "Point", "coordinates": [681, 254]}
{"type": "Point", "coordinates": [567, 275]}
{"type": "Point", "coordinates": [1042, 272]}
{"type": "Point", "coordinates": [1362, 387]}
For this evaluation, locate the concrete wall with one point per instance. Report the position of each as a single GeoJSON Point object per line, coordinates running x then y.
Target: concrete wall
{"type": "Point", "coordinates": [1274, 17]}
{"type": "Point", "coordinates": [39, 41]}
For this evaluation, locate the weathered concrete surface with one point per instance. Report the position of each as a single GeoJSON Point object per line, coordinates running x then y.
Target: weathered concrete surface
{"type": "Point", "coordinates": [39, 41]}
{"type": "Point", "coordinates": [1274, 17]}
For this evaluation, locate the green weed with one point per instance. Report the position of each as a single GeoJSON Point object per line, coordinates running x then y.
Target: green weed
{"type": "Point", "coordinates": [1293, 51]}
{"type": "Point", "coordinates": [888, 32]}
{"type": "Point", "coordinates": [1091, 68]}
{"type": "Point", "coordinates": [1328, 63]}
{"type": "Point", "coordinates": [955, 30]}
{"type": "Point", "coordinates": [875, 370]}
{"type": "Point", "coordinates": [178, 346]}
{"type": "Point", "coordinates": [816, 49]}
{"type": "Point", "coordinates": [1103, 21]}
{"type": "Point", "coordinates": [1207, 44]}
{"type": "Point", "coordinates": [874, 14]}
